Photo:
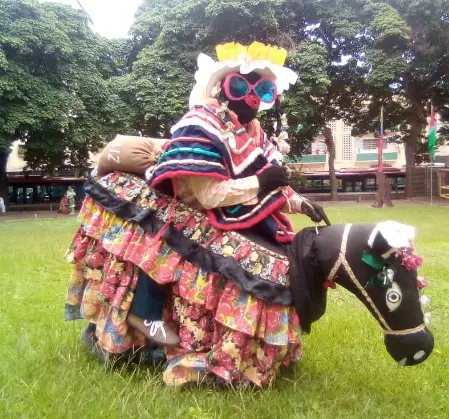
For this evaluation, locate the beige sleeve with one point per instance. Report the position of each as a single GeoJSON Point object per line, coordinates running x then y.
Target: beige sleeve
{"type": "Point", "coordinates": [294, 202]}
{"type": "Point", "coordinates": [213, 193]}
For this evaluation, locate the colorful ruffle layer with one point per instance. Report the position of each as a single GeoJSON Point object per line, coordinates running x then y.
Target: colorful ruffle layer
{"type": "Point", "coordinates": [223, 330]}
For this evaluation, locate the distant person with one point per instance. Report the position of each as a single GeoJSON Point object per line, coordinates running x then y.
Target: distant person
{"type": "Point", "coordinates": [64, 205]}
{"type": "Point", "coordinates": [383, 191]}
{"type": "Point", "coordinates": [2, 206]}
{"type": "Point", "coordinates": [71, 196]}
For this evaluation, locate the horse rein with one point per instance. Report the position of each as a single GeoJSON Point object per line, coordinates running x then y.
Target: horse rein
{"type": "Point", "coordinates": [342, 261]}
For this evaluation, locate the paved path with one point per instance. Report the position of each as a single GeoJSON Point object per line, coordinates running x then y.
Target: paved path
{"type": "Point", "coordinates": [400, 202]}
{"type": "Point", "coordinates": [32, 215]}
{"type": "Point", "coordinates": [39, 215]}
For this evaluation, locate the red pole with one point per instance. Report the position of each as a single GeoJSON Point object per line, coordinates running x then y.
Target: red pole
{"type": "Point", "coordinates": [380, 143]}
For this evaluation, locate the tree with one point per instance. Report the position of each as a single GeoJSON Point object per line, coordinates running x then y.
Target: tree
{"type": "Point", "coordinates": [406, 61]}
{"type": "Point", "coordinates": [331, 85]}
{"type": "Point", "coordinates": [56, 91]}
{"type": "Point", "coordinates": [392, 53]}
{"type": "Point", "coordinates": [169, 35]}
{"type": "Point", "coordinates": [158, 90]}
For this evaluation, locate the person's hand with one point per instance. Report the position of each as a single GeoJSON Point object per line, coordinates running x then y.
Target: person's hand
{"type": "Point", "coordinates": [272, 178]}
{"type": "Point", "coordinates": [314, 211]}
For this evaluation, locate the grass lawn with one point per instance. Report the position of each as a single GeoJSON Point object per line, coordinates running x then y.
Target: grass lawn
{"type": "Point", "coordinates": [345, 372]}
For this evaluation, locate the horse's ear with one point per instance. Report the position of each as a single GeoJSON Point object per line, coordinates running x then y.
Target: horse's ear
{"type": "Point", "coordinates": [390, 235]}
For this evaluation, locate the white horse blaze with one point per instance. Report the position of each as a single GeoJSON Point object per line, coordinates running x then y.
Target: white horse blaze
{"type": "Point", "coordinates": [396, 234]}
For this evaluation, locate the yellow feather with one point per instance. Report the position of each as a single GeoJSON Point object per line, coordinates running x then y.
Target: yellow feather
{"type": "Point", "coordinates": [256, 51]}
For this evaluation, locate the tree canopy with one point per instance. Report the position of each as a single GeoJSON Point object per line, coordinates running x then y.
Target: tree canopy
{"type": "Point", "coordinates": [64, 89]}
{"type": "Point", "coordinates": [352, 56]}
{"type": "Point", "coordinates": [56, 85]}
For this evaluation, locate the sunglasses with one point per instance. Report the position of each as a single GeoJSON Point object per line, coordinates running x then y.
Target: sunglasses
{"type": "Point", "coordinates": [237, 87]}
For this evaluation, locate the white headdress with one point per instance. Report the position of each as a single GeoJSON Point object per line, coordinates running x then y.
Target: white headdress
{"type": "Point", "coordinates": [263, 59]}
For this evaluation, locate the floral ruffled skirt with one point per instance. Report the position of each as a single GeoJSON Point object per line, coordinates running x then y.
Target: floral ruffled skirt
{"type": "Point", "coordinates": [230, 296]}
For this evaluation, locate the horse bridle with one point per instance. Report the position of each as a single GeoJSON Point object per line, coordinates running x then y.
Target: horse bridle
{"type": "Point", "coordinates": [342, 261]}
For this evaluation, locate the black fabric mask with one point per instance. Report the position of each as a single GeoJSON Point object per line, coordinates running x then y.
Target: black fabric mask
{"type": "Point", "coordinates": [243, 111]}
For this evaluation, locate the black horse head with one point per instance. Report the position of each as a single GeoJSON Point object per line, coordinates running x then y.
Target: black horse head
{"type": "Point", "coordinates": [370, 261]}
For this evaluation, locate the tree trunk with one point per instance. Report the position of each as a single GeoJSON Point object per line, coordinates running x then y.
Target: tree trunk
{"type": "Point", "coordinates": [330, 145]}
{"type": "Point", "coordinates": [4, 193]}
{"type": "Point", "coordinates": [414, 93]}
{"type": "Point", "coordinates": [410, 147]}
{"type": "Point", "coordinates": [333, 177]}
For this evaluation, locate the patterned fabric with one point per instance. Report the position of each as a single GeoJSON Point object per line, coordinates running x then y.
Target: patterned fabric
{"type": "Point", "coordinates": [257, 260]}
{"type": "Point", "coordinates": [224, 331]}
{"type": "Point", "coordinates": [213, 144]}
{"type": "Point", "coordinates": [101, 290]}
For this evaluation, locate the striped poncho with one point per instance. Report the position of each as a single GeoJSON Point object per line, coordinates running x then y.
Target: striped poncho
{"type": "Point", "coordinates": [215, 145]}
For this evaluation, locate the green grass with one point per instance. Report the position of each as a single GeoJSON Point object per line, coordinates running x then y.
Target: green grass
{"type": "Point", "coordinates": [345, 372]}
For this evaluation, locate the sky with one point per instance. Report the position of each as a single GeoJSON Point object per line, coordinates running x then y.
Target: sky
{"type": "Point", "coordinates": [112, 18]}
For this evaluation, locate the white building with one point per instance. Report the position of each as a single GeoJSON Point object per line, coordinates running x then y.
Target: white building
{"type": "Point", "coordinates": [16, 163]}
{"type": "Point", "coordinates": [351, 152]}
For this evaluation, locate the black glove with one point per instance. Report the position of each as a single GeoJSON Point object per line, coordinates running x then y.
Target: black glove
{"type": "Point", "coordinates": [272, 178]}
{"type": "Point", "coordinates": [315, 212]}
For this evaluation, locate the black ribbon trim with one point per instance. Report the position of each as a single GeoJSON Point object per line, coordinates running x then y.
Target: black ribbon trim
{"type": "Point", "coordinates": [189, 249]}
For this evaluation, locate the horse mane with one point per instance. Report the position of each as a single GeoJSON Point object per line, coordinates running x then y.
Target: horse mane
{"type": "Point", "coordinates": [306, 279]}
{"type": "Point", "coordinates": [311, 258]}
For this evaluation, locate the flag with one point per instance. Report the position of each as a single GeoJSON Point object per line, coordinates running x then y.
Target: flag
{"type": "Point", "coordinates": [380, 142]}
{"type": "Point", "coordinates": [432, 134]}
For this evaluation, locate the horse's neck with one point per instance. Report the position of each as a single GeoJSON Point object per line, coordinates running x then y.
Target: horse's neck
{"type": "Point", "coordinates": [328, 244]}
{"type": "Point", "coordinates": [332, 244]}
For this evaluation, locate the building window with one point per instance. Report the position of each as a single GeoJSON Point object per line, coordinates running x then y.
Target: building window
{"type": "Point", "coordinates": [21, 150]}
{"type": "Point", "coordinates": [347, 146]}
{"type": "Point", "coordinates": [371, 144]}
{"type": "Point", "coordinates": [370, 184]}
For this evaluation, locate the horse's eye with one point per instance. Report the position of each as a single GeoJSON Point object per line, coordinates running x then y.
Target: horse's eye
{"type": "Point", "coordinates": [393, 297]}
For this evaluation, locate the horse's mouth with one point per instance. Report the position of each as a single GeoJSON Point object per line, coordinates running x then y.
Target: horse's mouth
{"type": "Point", "coordinates": [410, 349]}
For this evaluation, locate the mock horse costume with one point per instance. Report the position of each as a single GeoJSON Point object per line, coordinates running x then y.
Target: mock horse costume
{"type": "Point", "coordinates": [239, 305]}
{"type": "Point", "coordinates": [239, 293]}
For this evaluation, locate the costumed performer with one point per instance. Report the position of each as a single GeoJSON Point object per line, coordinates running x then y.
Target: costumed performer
{"type": "Point", "coordinates": [220, 161]}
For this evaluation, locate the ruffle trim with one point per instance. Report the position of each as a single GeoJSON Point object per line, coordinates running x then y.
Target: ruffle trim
{"type": "Point", "coordinates": [129, 243]}
{"type": "Point", "coordinates": [223, 330]}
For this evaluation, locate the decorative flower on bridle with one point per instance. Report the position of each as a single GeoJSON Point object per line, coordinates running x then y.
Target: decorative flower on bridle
{"type": "Point", "coordinates": [410, 260]}
{"type": "Point", "coordinates": [400, 239]}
